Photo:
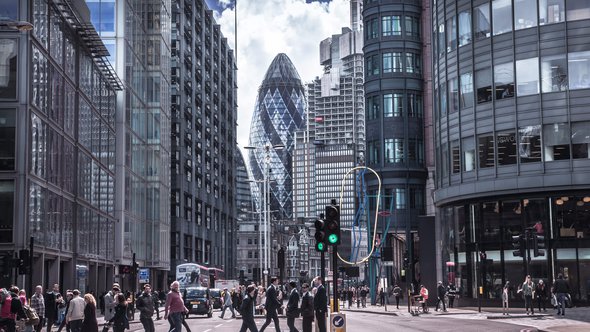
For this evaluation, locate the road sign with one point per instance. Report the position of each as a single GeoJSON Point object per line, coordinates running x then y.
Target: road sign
{"type": "Point", "coordinates": [144, 275]}
{"type": "Point", "coordinates": [386, 263]}
{"type": "Point", "coordinates": [337, 322]}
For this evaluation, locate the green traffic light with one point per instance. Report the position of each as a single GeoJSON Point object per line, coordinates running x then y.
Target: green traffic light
{"type": "Point", "coordinates": [321, 246]}
{"type": "Point", "coordinates": [333, 238]}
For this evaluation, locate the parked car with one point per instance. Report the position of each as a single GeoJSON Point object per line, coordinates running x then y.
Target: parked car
{"type": "Point", "coordinates": [215, 297]}
{"type": "Point", "coordinates": [198, 301]}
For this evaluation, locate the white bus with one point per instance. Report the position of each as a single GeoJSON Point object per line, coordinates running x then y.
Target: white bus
{"type": "Point", "coordinates": [192, 275]}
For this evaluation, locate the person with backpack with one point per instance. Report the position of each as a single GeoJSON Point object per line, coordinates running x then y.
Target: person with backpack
{"type": "Point", "coordinates": [38, 304]}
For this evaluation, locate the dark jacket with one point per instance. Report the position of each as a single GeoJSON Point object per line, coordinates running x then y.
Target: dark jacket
{"type": "Point", "coordinates": [440, 291]}
{"type": "Point", "coordinates": [120, 318]}
{"type": "Point", "coordinates": [307, 305]}
{"type": "Point", "coordinates": [320, 301]}
{"type": "Point", "coordinates": [89, 324]}
{"type": "Point", "coordinates": [51, 305]}
{"type": "Point", "coordinates": [145, 305]}
{"type": "Point", "coordinates": [16, 307]}
{"type": "Point", "coordinates": [541, 290]}
{"type": "Point", "coordinates": [561, 286]}
{"type": "Point", "coordinates": [272, 302]}
{"type": "Point", "coordinates": [293, 304]}
{"type": "Point", "coordinates": [247, 308]}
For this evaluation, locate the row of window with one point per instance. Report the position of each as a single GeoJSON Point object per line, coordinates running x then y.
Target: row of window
{"type": "Point", "coordinates": [459, 30]}
{"type": "Point", "coordinates": [395, 151]}
{"type": "Point", "coordinates": [202, 248]}
{"type": "Point", "coordinates": [393, 62]}
{"type": "Point", "coordinates": [550, 74]}
{"type": "Point", "coordinates": [559, 141]}
{"type": "Point", "coordinates": [396, 199]}
{"type": "Point", "coordinates": [393, 105]}
{"type": "Point", "coordinates": [391, 26]}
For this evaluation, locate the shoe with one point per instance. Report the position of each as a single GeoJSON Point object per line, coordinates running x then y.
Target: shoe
{"type": "Point", "coordinates": [220, 317]}
{"type": "Point", "coordinates": [563, 313]}
{"type": "Point", "coordinates": [233, 316]}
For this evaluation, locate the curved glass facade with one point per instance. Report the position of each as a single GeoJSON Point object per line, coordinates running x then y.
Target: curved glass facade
{"type": "Point", "coordinates": [280, 111]}
{"type": "Point", "coordinates": [512, 139]}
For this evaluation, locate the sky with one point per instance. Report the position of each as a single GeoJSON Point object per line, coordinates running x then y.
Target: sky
{"type": "Point", "coordinates": [269, 27]}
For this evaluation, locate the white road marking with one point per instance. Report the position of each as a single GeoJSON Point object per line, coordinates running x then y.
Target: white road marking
{"type": "Point", "coordinates": [219, 325]}
{"type": "Point", "coordinates": [207, 330]}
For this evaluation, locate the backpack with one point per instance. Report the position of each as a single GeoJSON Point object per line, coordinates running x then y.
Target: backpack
{"type": "Point", "coordinates": [32, 316]}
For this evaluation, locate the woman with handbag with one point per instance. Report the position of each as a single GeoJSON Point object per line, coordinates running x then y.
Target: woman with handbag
{"type": "Point", "coordinates": [120, 322]}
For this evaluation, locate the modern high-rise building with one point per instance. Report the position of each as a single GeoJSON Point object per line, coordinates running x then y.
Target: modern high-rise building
{"type": "Point", "coordinates": [396, 49]}
{"type": "Point", "coordinates": [57, 148]}
{"type": "Point", "coordinates": [512, 136]}
{"type": "Point", "coordinates": [204, 115]}
{"type": "Point", "coordinates": [280, 111]}
{"type": "Point", "coordinates": [138, 37]}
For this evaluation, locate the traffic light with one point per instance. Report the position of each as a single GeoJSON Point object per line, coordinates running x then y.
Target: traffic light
{"type": "Point", "coordinates": [538, 245]}
{"type": "Point", "coordinates": [24, 261]}
{"type": "Point", "coordinates": [519, 243]}
{"type": "Point", "coordinates": [333, 224]}
{"type": "Point", "coordinates": [320, 235]}
{"type": "Point", "coordinates": [406, 260]}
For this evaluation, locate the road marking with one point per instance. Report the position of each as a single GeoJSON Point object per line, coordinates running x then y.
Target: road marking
{"type": "Point", "coordinates": [207, 330]}
{"type": "Point", "coordinates": [220, 325]}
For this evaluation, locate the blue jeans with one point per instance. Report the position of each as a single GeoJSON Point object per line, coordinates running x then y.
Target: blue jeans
{"type": "Point", "coordinates": [175, 320]}
{"type": "Point", "coordinates": [561, 303]}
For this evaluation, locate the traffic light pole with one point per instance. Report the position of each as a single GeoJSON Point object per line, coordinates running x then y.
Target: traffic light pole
{"type": "Point", "coordinates": [335, 277]}
{"type": "Point", "coordinates": [323, 266]}
{"type": "Point", "coordinates": [30, 281]}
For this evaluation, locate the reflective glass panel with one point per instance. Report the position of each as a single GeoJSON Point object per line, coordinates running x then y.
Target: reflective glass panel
{"type": "Point", "coordinates": [486, 151]}
{"type": "Point", "coordinates": [483, 83]}
{"type": "Point", "coordinates": [580, 140]}
{"type": "Point", "coordinates": [578, 10]}
{"type": "Point", "coordinates": [481, 21]}
{"type": "Point", "coordinates": [556, 141]}
{"type": "Point", "coordinates": [553, 73]}
{"type": "Point", "coordinates": [525, 14]}
{"type": "Point", "coordinates": [464, 28]}
{"type": "Point", "coordinates": [451, 34]}
{"type": "Point", "coordinates": [506, 148]}
{"type": "Point", "coordinates": [466, 90]}
{"type": "Point", "coordinates": [551, 11]}
{"type": "Point", "coordinates": [391, 26]}
{"type": "Point", "coordinates": [8, 68]}
{"type": "Point", "coordinates": [504, 80]}
{"type": "Point", "coordinates": [529, 144]}
{"type": "Point", "coordinates": [579, 70]}
{"type": "Point", "coordinates": [527, 76]}
{"type": "Point", "coordinates": [453, 95]}
{"type": "Point", "coordinates": [7, 139]}
{"type": "Point", "coordinates": [501, 16]}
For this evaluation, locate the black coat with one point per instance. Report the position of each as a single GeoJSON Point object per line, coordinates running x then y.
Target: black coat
{"type": "Point", "coordinates": [145, 304]}
{"type": "Point", "coordinates": [247, 308]}
{"type": "Point", "coordinates": [51, 305]}
{"type": "Point", "coordinates": [441, 290]}
{"type": "Point", "coordinates": [120, 318]}
{"type": "Point", "coordinates": [307, 305]}
{"type": "Point", "coordinates": [293, 304]}
{"type": "Point", "coordinates": [320, 300]}
{"type": "Point", "coordinates": [272, 302]}
{"type": "Point", "coordinates": [89, 324]}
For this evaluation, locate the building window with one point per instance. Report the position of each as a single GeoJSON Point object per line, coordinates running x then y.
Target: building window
{"type": "Point", "coordinates": [525, 14]}
{"type": "Point", "coordinates": [579, 70]}
{"type": "Point", "coordinates": [466, 90]}
{"type": "Point", "coordinates": [468, 147]}
{"type": "Point", "coordinates": [441, 40]}
{"type": "Point", "coordinates": [486, 151]}
{"type": "Point", "coordinates": [453, 95]}
{"type": "Point", "coordinates": [504, 80]}
{"type": "Point", "coordinates": [481, 21]}
{"type": "Point", "coordinates": [415, 105]}
{"type": "Point", "coordinates": [502, 16]}
{"type": "Point", "coordinates": [412, 26]}
{"type": "Point", "coordinates": [413, 64]}
{"type": "Point", "coordinates": [8, 67]}
{"type": "Point", "coordinates": [373, 65]}
{"type": "Point", "coordinates": [416, 151]}
{"type": "Point", "coordinates": [527, 76]}
{"type": "Point", "coordinates": [373, 28]}
{"type": "Point", "coordinates": [443, 98]}
{"type": "Point", "coordinates": [36, 211]}
{"type": "Point", "coordinates": [400, 198]}
{"type": "Point", "coordinates": [394, 150]}
{"type": "Point", "coordinates": [483, 83]}
{"type": "Point", "coordinates": [7, 139]}
{"type": "Point", "coordinates": [553, 73]}
{"type": "Point", "coordinates": [392, 105]}
{"type": "Point", "coordinates": [529, 144]}
{"type": "Point", "coordinates": [392, 62]}
{"type": "Point", "coordinates": [556, 141]}
{"type": "Point", "coordinates": [464, 28]}
{"type": "Point", "coordinates": [451, 34]}
{"type": "Point", "coordinates": [506, 148]}
{"type": "Point", "coordinates": [417, 199]}
{"type": "Point", "coordinates": [551, 11]}
{"type": "Point", "coordinates": [580, 140]}
{"type": "Point", "coordinates": [578, 10]}
{"type": "Point", "coordinates": [391, 26]}
{"type": "Point", "coordinates": [373, 107]}
{"type": "Point", "coordinates": [374, 147]}
{"type": "Point", "coordinates": [455, 157]}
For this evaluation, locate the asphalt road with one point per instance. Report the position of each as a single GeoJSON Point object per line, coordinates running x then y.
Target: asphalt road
{"type": "Point", "coordinates": [357, 322]}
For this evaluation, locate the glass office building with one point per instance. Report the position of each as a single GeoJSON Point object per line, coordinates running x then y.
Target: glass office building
{"type": "Point", "coordinates": [512, 136]}
{"type": "Point", "coordinates": [58, 152]}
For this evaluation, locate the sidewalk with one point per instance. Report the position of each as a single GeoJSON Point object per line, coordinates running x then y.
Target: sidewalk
{"type": "Point", "coordinates": [575, 320]}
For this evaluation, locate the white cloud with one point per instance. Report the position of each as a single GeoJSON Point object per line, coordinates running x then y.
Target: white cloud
{"type": "Point", "coordinates": [269, 27]}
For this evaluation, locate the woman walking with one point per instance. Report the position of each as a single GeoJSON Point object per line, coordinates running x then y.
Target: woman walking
{"type": "Point", "coordinates": [89, 324]}
{"type": "Point", "coordinates": [174, 310]}
{"type": "Point", "coordinates": [120, 322]}
{"type": "Point", "coordinates": [528, 287]}
{"type": "Point", "coordinates": [505, 298]}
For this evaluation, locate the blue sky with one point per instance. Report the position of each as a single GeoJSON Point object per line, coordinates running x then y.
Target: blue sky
{"type": "Point", "coordinates": [269, 27]}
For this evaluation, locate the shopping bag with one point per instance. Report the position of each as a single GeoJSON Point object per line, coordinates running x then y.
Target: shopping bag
{"type": "Point", "coordinates": [554, 300]}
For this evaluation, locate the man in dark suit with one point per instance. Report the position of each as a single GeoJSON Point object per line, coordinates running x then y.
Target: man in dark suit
{"type": "Point", "coordinates": [272, 304]}
{"type": "Point", "coordinates": [247, 310]}
{"type": "Point", "coordinates": [293, 307]}
{"type": "Point", "coordinates": [320, 303]}
{"type": "Point", "coordinates": [307, 308]}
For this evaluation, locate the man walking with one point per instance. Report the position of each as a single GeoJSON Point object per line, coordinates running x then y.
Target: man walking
{"type": "Point", "coordinates": [320, 303]}
{"type": "Point", "coordinates": [145, 305]}
{"type": "Point", "coordinates": [227, 303]}
{"type": "Point", "coordinates": [110, 303]}
{"type": "Point", "coordinates": [38, 303]}
{"type": "Point", "coordinates": [307, 308]}
{"type": "Point", "coordinates": [75, 313]}
{"type": "Point", "coordinates": [293, 307]}
{"type": "Point", "coordinates": [397, 292]}
{"type": "Point", "coordinates": [271, 305]}
{"type": "Point", "coordinates": [561, 289]}
{"type": "Point", "coordinates": [51, 306]}
{"type": "Point", "coordinates": [440, 293]}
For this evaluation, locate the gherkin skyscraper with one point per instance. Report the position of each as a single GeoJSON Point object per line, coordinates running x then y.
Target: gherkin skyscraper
{"type": "Point", "coordinates": [280, 111]}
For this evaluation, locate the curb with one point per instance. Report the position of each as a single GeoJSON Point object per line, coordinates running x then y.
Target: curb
{"type": "Point", "coordinates": [518, 316]}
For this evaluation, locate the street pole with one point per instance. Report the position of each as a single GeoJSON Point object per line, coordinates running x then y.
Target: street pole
{"type": "Point", "coordinates": [335, 277]}
{"type": "Point", "coordinates": [477, 276]}
{"type": "Point", "coordinates": [323, 266]}
{"type": "Point", "coordinates": [30, 281]}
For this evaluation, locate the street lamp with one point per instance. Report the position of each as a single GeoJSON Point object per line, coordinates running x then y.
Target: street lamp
{"type": "Point", "coordinates": [265, 206]}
